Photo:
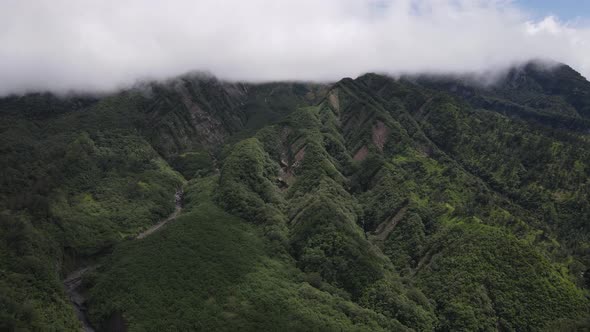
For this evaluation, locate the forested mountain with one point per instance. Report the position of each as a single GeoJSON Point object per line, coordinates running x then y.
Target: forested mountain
{"type": "Point", "coordinates": [424, 203]}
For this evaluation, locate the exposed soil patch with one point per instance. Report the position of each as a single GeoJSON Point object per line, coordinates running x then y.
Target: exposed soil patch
{"type": "Point", "coordinates": [380, 133]}
{"type": "Point", "coordinates": [209, 130]}
{"type": "Point", "coordinates": [299, 157]}
{"type": "Point", "coordinates": [361, 154]}
{"type": "Point", "coordinates": [289, 160]}
{"type": "Point", "coordinates": [285, 177]}
{"type": "Point", "coordinates": [288, 166]}
{"type": "Point", "coordinates": [334, 101]}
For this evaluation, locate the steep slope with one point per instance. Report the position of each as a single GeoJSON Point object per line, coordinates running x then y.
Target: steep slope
{"type": "Point", "coordinates": [367, 194]}
{"type": "Point", "coordinates": [227, 276]}
{"type": "Point", "coordinates": [420, 191]}
{"type": "Point", "coordinates": [423, 203]}
{"type": "Point", "coordinates": [541, 169]}
{"type": "Point", "coordinates": [82, 174]}
{"type": "Point", "coordinates": [550, 94]}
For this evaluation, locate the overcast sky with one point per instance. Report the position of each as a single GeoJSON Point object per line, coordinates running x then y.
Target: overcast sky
{"type": "Point", "coordinates": [62, 45]}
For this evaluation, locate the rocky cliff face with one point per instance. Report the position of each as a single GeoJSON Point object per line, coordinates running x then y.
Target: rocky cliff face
{"type": "Point", "coordinates": [193, 113]}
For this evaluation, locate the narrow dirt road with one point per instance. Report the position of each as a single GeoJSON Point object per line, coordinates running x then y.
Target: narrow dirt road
{"type": "Point", "coordinates": [156, 227]}
{"type": "Point", "coordinates": [73, 281]}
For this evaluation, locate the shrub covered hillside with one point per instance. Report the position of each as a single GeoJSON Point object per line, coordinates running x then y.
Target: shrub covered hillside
{"type": "Point", "coordinates": [412, 204]}
{"type": "Point", "coordinates": [80, 175]}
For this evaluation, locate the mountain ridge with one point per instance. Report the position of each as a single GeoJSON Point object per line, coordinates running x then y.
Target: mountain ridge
{"type": "Point", "coordinates": [363, 199]}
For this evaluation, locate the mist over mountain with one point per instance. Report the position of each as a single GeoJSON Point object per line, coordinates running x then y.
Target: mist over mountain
{"type": "Point", "coordinates": [63, 45]}
{"type": "Point", "coordinates": [333, 165]}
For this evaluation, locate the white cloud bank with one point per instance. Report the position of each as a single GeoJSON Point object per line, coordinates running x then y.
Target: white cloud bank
{"type": "Point", "coordinates": [85, 45]}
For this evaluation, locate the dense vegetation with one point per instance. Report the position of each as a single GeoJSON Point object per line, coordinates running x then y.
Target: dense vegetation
{"type": "Point", "coordinates": [70, 193]}
{"type": "Point", "coordinates": [213, 271]}
{"type": "Point", "coordinates": [420, 203]}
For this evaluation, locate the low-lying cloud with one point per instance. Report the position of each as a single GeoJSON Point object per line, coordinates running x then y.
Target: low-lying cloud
{"type": "Point", "coordinates": [86, 45]}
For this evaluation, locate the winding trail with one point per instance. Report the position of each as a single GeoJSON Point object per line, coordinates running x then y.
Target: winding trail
{"type": "Point", "coordinates": [73, 281]}
{"type": "Point", "coordinates": [156, 227]}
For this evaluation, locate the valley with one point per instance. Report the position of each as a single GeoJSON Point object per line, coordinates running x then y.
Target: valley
{"type": "Point", "coordinates": [73, 281]}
